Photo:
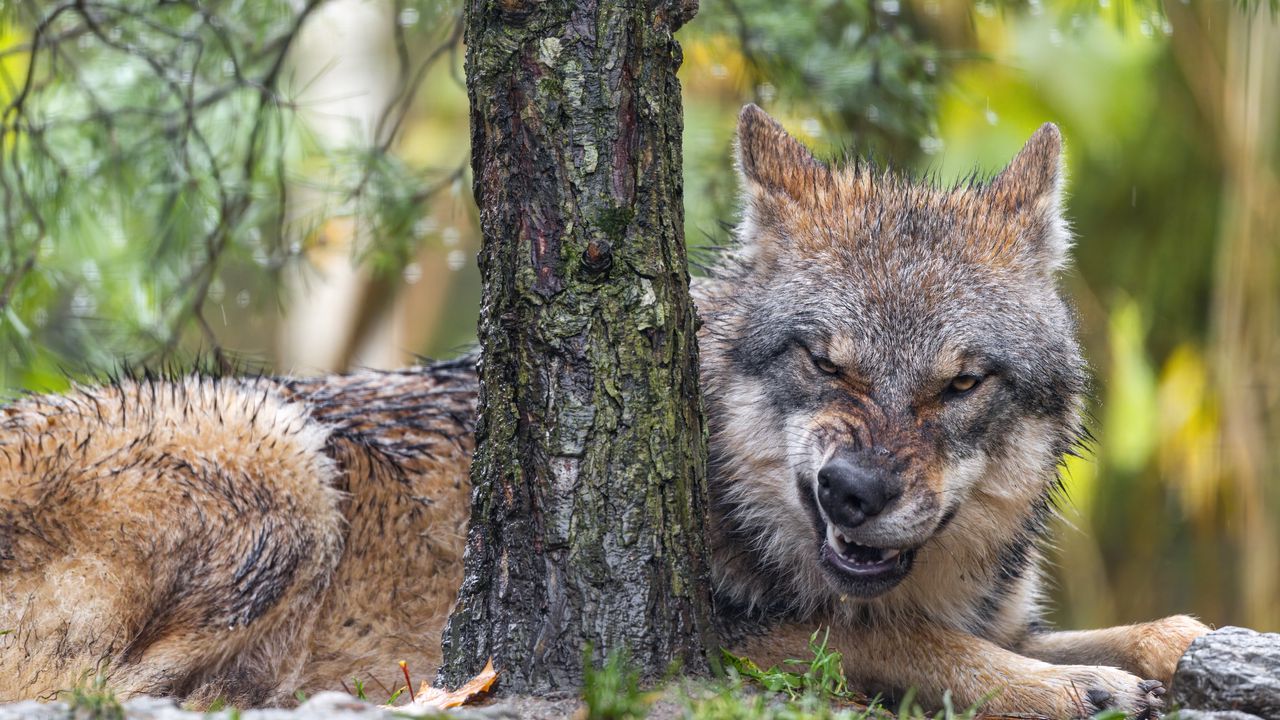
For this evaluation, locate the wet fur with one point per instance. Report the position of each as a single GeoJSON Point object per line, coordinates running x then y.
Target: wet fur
{"type": "Point", "coordinates": [246, 538]}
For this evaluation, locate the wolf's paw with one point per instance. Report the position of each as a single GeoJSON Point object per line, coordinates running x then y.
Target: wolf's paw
{"type": "Point", "coordinates": [1090, 690]}
{"type": "Point", "coordinates": [1160, 644]}
{"type": "Point", "coordinates": [1140, 702]}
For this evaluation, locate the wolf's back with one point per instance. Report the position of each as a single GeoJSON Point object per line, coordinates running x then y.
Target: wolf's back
{"type": "Point", "coordinates": [241, 538]}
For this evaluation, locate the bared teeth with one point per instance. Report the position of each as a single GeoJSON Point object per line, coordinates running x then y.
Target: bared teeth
{"type": "Point", "coordinates": [857, 553]}
{"type": "Point", "coordinates": [837, 540]}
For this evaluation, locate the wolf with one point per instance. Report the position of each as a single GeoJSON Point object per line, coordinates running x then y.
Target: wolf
{"type": "Point", "coordinates": [891, 378]}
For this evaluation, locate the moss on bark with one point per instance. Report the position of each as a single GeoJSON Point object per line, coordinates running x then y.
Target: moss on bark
{"type": "Point", "coordinates": [589, 500]}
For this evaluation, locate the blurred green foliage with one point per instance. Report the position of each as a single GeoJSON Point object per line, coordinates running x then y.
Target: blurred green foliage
{"type": "Point", "coordinates": [149, 153]}
{"type": "Point", "coordinates": [153, 157]}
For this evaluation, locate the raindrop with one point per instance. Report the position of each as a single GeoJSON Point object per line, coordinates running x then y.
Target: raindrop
{"type": "Point", "coordinates": [930, 67]}
{"type": "Point", "coordinates": [890, 7]}
{"type": "Point", "coordinates": [719, 71]}
{"type": "Point", "coordinates": [228, 67]}
{"type": "Point", "coordinates": [1104, 4]}
{"type": "Point", "coordinates": [811, 127]}
{"type": "Point", "coordinates": [82, 303]}
{"type": "Point", "coordinates": [456, 260]}
{"type": "Point", "coordinates": [931, 145]}
{"type": "Point", "coordinates": [873, 114]}
{"type": "Point", "coordinates": [424, 227]}
{"type": "Point", "coordinates": [1035, 7]}
{"type": "Point", "coordinates": [295, 248]}
{"type": "Point", "coordinates": [1145, 28]}
{"type": "Point", "coordinates": [1166, 27]}
{"type": "Point", "coordinates": [991, 116]}
{"type": "Point", "coordinates": [1055, 36]}
{"type": "Point", "coordinates": [89, 269]}
{"type": "Point", "coordinates": [40, 317]}
{"type": "Point", "coordinates": [408, 17]}
{"type": "Point", "coordinates": [412, 273]}
{"type": "Point", "coordinates": [450, 236]}
{"type": "Point", "coordinates": [217, 290]}
{"type": "Point", "coordinates": [767, 92]}
{"type": "Point", "coordinates": [242, 298]}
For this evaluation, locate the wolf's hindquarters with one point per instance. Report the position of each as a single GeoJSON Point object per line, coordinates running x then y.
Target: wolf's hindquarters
{"type": "Point", "coordinates": [175, 536]}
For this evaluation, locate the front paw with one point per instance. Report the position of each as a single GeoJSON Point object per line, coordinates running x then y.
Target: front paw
{"type": "Point", "coordinates": [1086, 690]}
{"type": "Point", "coordinates": [1162, 643]}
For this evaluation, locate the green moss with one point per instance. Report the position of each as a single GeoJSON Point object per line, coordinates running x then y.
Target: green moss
{"type": "Point", "coordinates": [614, 221]}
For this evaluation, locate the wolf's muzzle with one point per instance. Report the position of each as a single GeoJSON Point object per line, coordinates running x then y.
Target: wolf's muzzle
{"type": "Point", "coordinates": [852, 489]}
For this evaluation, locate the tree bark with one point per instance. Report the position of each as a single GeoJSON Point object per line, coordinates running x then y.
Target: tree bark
{"type": "Point", "coordinates": [590, 494]}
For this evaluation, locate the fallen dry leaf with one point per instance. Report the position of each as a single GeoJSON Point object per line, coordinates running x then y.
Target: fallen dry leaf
{"type": "Point", "coordinates": [431, 699]}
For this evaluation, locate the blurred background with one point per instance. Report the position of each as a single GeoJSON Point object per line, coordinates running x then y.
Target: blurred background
{"type": "Point", "coordinates": [282, 185]}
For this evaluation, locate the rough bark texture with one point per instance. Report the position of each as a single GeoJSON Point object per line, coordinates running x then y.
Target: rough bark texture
{"type": "Point", "coordinates": [587, 514]}
{"type": "Point", "coordinates": [1230, 669]}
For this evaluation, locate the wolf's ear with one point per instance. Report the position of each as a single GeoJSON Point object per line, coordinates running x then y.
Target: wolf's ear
{"type": "Point", "coordinates": [1032, 186]}
{"type": "Point", "coordinates": [770, 161]}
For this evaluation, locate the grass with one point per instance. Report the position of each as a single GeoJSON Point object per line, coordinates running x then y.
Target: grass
{"type": "Point", "coordinates": [821, 676]}
{"type": "Point", "coordinates": [93, 699]}
{"type": "Point", "coordinates": [612, 691]}
{"type": "Point", "coordinates": [814, 688]}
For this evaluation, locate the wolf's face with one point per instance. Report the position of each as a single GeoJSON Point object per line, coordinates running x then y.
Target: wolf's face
{"type": "Point", "coordinates": [890, 354]}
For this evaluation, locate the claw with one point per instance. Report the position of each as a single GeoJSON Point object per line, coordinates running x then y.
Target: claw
{"type": "Point", "coordinates": [1099, 698]}
{"type": "Point", "coordinates": [1154, 687]}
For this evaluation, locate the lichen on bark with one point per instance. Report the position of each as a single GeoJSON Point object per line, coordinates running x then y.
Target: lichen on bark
{"type": "Point", "coordinates": [589, 476]}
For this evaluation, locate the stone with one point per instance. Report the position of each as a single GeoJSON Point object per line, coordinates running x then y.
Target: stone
{"type": "Point", "coordinates": [1231, 670]}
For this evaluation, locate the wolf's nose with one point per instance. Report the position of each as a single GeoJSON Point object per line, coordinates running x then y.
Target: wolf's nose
{"type": "Point", "coordinates": [851, 492]}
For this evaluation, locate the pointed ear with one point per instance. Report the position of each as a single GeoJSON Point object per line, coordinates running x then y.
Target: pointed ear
{"type": "Point", "coordinates": [770, 161]}
{"type": "Point", "coordinates": [1032, 188]}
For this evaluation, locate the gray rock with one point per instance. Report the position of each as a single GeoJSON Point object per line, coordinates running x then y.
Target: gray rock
{"type": "Point", "coordinates": [32, 710]}
{"type": "Point", "coordinates": [1231, 669]}
{"type": "Point", "coordinates": [1211, 715]}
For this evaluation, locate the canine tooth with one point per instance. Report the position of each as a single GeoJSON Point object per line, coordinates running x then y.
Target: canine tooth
{"type": "Point", "coordinates": [889, 554]}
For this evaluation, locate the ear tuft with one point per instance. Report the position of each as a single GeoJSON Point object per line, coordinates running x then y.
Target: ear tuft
{"type": "Point", "coordinates": [1032, 188]}
{"type": "Point", "coordinates": [1033, 180]}
{"type": "Point", "coordinates": [769, 159]}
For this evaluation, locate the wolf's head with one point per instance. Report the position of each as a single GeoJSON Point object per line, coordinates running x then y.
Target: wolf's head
{"type": "Point", "coordinates": [884, 360]}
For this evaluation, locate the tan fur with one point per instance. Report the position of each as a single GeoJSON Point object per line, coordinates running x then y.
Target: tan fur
{"type": "Point", "coordinates": [954, 623]}
{"type": "Point", "coordinates": [247, 538]}
{"type": "Point", "coordinates": [140, 524]}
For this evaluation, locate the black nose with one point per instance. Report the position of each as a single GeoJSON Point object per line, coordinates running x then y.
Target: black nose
{"type": "Point", "coordinates": [851, 492]}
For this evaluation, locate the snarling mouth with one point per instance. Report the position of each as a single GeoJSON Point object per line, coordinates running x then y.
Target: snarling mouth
{"type": "Point", "coordinates": [867, 570]}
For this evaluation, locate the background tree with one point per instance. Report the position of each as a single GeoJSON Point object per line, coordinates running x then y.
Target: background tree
{"type": "Point", "coordinates": [589, 476]}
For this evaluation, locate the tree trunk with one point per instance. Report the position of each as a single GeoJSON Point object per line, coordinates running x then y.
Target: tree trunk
{"type": "Point", "coordinates": [587, 514]}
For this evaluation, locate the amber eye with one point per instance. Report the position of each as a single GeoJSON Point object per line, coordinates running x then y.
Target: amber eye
{"type": "Point", "coordinates": [962, 384]}
{"type": "Point", "coordinates": [824, 364]}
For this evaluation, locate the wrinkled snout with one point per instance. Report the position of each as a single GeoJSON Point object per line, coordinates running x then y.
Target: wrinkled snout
{"type": "Point", "coordinates": [854, 487]}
